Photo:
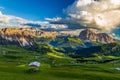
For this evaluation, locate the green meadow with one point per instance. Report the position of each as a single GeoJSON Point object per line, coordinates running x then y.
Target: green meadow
{"type": "Point", "coordinates": [14, 66]}
{"type": "Point", "coordinates": [15, 71]}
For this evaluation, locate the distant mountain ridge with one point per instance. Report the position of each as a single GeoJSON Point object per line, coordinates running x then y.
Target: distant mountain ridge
{"type": "Point", "coordinates": [15, 36]}
{"type": "Point", "coordinates": [22, 36]}
{"type": "Point", "coordinates": [92, 36]}
{"type": "Point", "coordinates": [26, 36]}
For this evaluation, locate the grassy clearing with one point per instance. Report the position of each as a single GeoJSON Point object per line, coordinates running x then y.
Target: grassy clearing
{"type": "Point", "coordinates": [14, 65]}
{"type": "Point", "coordinates": [14, 71]}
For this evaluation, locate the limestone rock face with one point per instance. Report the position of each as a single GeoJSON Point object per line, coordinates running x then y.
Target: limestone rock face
{"type": "Point", "coordinates": [89, 35]}
{"type": "Point", "coordinates": [23, 36]}
{"type": "Point", "coordinates": [15, 36]}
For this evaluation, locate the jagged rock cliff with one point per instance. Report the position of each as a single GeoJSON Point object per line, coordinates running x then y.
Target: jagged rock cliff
{"type": "Point", "coordinates": [22, 36]}
{"type": "Point", "coordinates": [15, 36]}
{"type": "Point", "coordinates": [90, 35]}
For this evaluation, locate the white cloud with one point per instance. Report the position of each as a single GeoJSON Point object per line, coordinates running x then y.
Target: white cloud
{"type": "Point", "coordinates": [99, 14]}
{"type": "Point", "coordinates": [13, 21]}
{"type": "Point", "coordinates": [54, 26]}
{"type": "Point", "coordinates": [53, 19]}
{"type": "Point", "coordinates": [102, 14]}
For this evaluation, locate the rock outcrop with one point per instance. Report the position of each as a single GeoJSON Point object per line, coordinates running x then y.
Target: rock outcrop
{"type": "Point", "coordinates": [15, 36]}
{"type": "Point", "coordinates": [89, 35]}
{"type": "Point", "coordinates": [23, 36]}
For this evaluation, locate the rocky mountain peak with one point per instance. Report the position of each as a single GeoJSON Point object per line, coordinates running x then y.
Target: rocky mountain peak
{"type": "Point", "coordinates": [15, 36]}
{"type": "Point", "coordinates": [91, 35]}
{"type": "Point", "coordinates": [23, 36]}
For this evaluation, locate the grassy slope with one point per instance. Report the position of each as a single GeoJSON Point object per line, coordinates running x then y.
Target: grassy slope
{"type": "Point", "coordinates": [10, 71]}
{"type": "Point", "coordinates": [13, 66]}
{"type": "Point", "coordinates": [112, 49]}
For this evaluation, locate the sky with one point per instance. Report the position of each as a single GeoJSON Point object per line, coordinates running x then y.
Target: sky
{"type": "Point", "coordinates": [102, 15]}
{"type": "Point", "coordinates": [34, 9]}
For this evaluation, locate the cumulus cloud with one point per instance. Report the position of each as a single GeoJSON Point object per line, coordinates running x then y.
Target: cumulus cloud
{"type": "Point", "coordinates": [13, 21]}
{"type": "Point", "coordinates": [55, 26]}
{"type": "Point", "coordinates": [53, 19]}
{"type": "Point", "coordinates": [56, 23]}
{"type": "Point", "coordinates": [102, 14]}
{"type": "Point", "coordinates": [99, 14]}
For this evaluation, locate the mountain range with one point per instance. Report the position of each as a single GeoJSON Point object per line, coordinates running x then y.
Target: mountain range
{"type": "Point", "coordinates": [22, 36]}
{"type": "Point", "coordinates": [25, 36]}
{"type": "Point", "coordinates": [85, 44]}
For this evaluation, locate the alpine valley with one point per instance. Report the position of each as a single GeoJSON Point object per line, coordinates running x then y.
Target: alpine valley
{"type": "Point", "coordinates": [61, 54]}
{"type": "Point", "coordinates": [59, 39]}
{"type": "Point", "coordinates": [88, 43]}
